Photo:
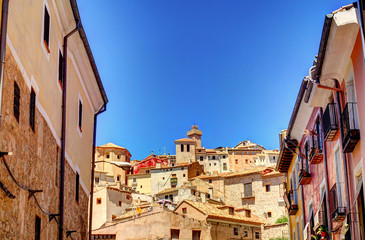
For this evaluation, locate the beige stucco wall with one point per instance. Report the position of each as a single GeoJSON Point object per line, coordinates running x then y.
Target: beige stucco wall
{"type": "Point", "coordinates": [143, 180]}
{"type": "Point", "coordinates": [185, 157]}
{"type": "Point", "coordinates": [25, 40]}
{"type": "Point", "coordinates": [161, 178]}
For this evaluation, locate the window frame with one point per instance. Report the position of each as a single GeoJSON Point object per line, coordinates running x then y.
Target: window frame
{"type": "Point", "coordinates": [77, 187]}
{"type": "Point", "coordinates": [37, 227]}
{"type": "Point", "coordinates": [79, 115]}
{"type": "Point", "coordinates": [32, 105]}
{"type": "Point", "coordinates": [46, 46]}
{"type": "Point", "coordinates": [16, 101]}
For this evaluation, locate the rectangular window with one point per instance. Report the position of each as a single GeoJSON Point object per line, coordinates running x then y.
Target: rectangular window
{"type": "Point", "coordinates": [16, 102]}
{"type": "Point", "coordinates": [224, 166]}
{"type": "Point", "coordinates": [134, 180]}
{"type": "Point", "coordinates": [185, 211]}
{"type": "Point", "coordinates": [236, 161]}
{"type": "Point", "coordinates": [248, 213]}
{"type": "Point", "coordinates": [188, 147]}
{"type": "Point", "coordinates": [77, 187]}
{"type": "Point", "coordinates": [60, 69]}
{"type": "Point", "coordinates": [118, 178]}
{"type": "Point", "coordinates": [120, 203]}
{"type": "Point", "coordinates": [97, 179]}
{"type": "Point", "coordinates": [182, 147]}
{"type": "Point", "coordinates": [210, 180]}
{"type": "Point", "coordinates": [196, 234]}
{"type": "Point", "coordinates": [235, 231]}
{"type": "Point", "coordinates": [175, 234]}
{"type": "Point", "coordinates": [46, 26]}
{"type": "Point", "coordinates": [268, 189]}
{"type": "Point", "coordinates": [98, 201]}
{"type": "Point", "coordinates": [213, 158]}
{"type": "Point", "coordinates": [80, 116]}
{"type": "Point", "coordinates": [201, 158]}
{"type": "Point", "coordinates": [37, 233]}
{"type": "Point", "coordinates": [257, 235]}
{"type": "Point", "coordinates": [269, 214]}
{"type": "Point", "coordinates": [32, 109]}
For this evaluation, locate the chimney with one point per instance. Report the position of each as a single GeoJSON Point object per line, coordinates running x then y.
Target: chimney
{"type": "Point", "coordinates": [211, 192]}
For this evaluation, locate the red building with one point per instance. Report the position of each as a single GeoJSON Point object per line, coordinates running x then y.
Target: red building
{"type": "Point", "coordinates": [149, 162]}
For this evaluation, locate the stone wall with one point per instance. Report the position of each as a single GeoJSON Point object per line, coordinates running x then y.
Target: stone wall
{"type": "Point", "coordinates": [35, 163]}
{"type": "Point", "coordinates": [222, 231]}
{"type": "Point", "coordinates": [275, 230]}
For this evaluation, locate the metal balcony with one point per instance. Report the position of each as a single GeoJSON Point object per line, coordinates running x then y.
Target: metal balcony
{"type": "Point", "coordinates": [338, 209]}
{"type": "Point", "coordinates": [316, 152]}
{"type": "Point", "coordinates": [330, 122]}
{"type": "Point", "coordinates": [248, 194]}
{"type": "Point", "coordinates": [173, 181]}
{"type": "Point", "coordinates": [291, 202]}
{"type": "Point", "coordinates": [350, 127]}
{"type": "Point", "coordinates": [304, 173]}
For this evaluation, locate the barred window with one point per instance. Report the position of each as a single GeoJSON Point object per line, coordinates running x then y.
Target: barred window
{"type": "Point", "coordinates": [16, 103]}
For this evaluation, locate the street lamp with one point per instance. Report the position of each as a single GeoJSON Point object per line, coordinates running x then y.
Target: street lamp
{"type": "Point", "coordinates": [123, 165]}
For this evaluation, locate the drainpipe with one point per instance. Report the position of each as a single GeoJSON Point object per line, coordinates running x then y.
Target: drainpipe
{"type": "Point", "coordinates": [103, 109]}
{"type": "Point", "coordinates": [344, 157]}
{"type": "Point", "coordinates": [4, 30]}
{"type": "Point", "coordinates": [329, 223]}
{"type": "Point", "coordinates": [63, 131]}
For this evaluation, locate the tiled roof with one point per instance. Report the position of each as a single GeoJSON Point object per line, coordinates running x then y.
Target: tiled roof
{"type": "Point", "coordinates": [110, 145]}
{"type": "Point", "coordinates": [168, 190]}
{"type": "Point", "coordinates": [213, 211]}
{"type": "Point", "coordinates": [247, 171]}
{"type": "Point", "coordinates": [185, 140]}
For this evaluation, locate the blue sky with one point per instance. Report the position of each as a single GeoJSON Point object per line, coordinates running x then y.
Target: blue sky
{"type": "Point", "coordinates": [232, 67]}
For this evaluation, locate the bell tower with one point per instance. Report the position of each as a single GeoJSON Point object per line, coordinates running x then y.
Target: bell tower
{"type": "Point", "coordinates": [195, 134]}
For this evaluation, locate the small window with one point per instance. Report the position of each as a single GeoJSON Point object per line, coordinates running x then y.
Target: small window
{"type": "Point", "coordinates": [185, 211]}
{"type": "Point", "coordinates": [97, 179]}
{"type": "Point", "coordinates": [188, 147]}
{"type": "Point", "coordinates": [118, 178]}
{"type": "Point", "coordinates": [16, 102]}
{"type": "Point", "coordinates": [231, 210]}
{"type": "Point", "coordinates": [120, 203]}
{"type": "Point", "coordinates": [196, 234]}
{"type": "Point", "coordinates": [236, 161]}
{"type": "Point", "coordinates": [147, 171]}
{"type": "Point", "coordinates": [268, 189]}
{"type": "Point", "coordinates": [210, 180]}
{"type": "Point", "coordinates": [114, 216]}
{"type": "Point", "coordinates": [269, 214]}
{"type": "Point", "coordinates": [224, 166]}
{"type": "Point", "coordinates": [210, 164]}
{"type": "Point", "coordinates": [163, 178]}
{"type": "Point", "coordinates": [37, 232]}
{"type": "Point", "coordinates": [141, 186]}
{"type": "Point", "coordinates": [134, 180]}
{"type": "Point", "coordinates": [213, 157]}
{"type": "Point", "coordinates": [245, 233]}
{"type": "Point", "coordinates": [98, 201]}
{"type": "Point", "coordinates": [248, 213]}
{"type": "Point", "coordinates": [175, 234]}
{"type": "Point", "coordinates": [246, 161]}
{"type": "Point", "coordinates": [215, 164]}
{"type": "Point", "coordinates": [235, 231]}
{"type": "Point", "coordinates": [32, 109]}
{"type": "Point", "coordinates": [201, 158]}
{"type": "Point", "coordinates": [80, 116]}
{"type": "Point", "coordinates": [107, 155]}
{"type": "Point", "coordinates": [128, 196]}
{"type": "Point", "coordinates": [77, 194]}
{"type": "Point", "coordinates": [224, 156]}
{"type": "Point", "coordinates": [46, 28]}
{"type": "Point", "coordinates": [182, 147]}
{"type": "Point", "coordinates": [60, 69]}
{"type": "Point", "coordinates": [184, 175]}
{"type": "Point", "coordinates": [257, 235]}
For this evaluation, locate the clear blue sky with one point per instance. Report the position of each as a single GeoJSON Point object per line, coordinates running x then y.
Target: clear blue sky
{"type": "Point", "coordinates": [232, 67]}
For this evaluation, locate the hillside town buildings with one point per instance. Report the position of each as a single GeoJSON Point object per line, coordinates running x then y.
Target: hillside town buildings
{"type": "Point", "coordinates": [322, 149]}
{"type": "Point", "coordinates": [46, 142]}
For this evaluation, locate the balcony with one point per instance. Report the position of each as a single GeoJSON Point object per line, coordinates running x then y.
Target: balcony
{"type": "Point", "coordinates": [304, 172]}
{"type": "Point", "coordinates": [330, 122]}
{"type": "Point", "coordinates": [338, 209]}
{"type": "Point", "coordinates": [316, 152]}
{"type": "Point", "coordinates": [350, 127]}
{"type": "Point", "coordinates": [248, 194]}
{"type": "Point", "coordinates": [291, 202]}
{"type": "Point", "coordinates": [173, 182]}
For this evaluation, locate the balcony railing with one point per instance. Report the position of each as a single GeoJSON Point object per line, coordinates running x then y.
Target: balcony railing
{"type": "Point", "coordinates": [173, 181]}
{"type": "Point", "coordinates": [350, 127]}
{"type": "Point", "coordinates": [304, 172]}
{"type": "Point", "coordinates": [291, 202]}
{"type": "Point", "coordinates": [248, 194]}
{"type": "Point", "coordinates": [316, 152]}
{"type": "Point", "coordinates": [338, 209]}
{"type": "Point", "coordinates": [330, 122]}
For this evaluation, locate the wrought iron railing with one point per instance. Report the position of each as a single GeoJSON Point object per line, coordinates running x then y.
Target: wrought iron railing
{"type": "Point", "coordinates": [330, 122]}
{"type": "Point", "coordinates": [350, 127]}
{"type": "Point", "coordinates": [338, 209]}
{"type": "Point", "coordinates": [304, 171]}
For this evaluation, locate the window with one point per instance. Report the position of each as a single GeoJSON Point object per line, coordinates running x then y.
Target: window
{"type": "Point", "coordinates": [60, 69]}
{"type": "Point", "coordinates": [97, 179]}
{"type": "Point", "coordinates": [210, 180]}
{"type": "Point", "coordinates": [175, 234]}
{"type": "Point", "coordinates": [201, 158]}
{"type": "Point", "coordinates": [184, 175]}
{"type": "Point", "coordinates": [196, 234]}
{"type": "Point", "coordinates": [16, 101]}
{"type": "Point", "coordinates": [107, 155]}
{"type": "Point", "coordinates": [257, 235]}
{"type": "Point", "coordinates": [120, 203]}
{"type": "Point", "coordinates": [236, 161]}
{"type": "Point", "coordinates": [182, 147]}
{"type": "Point", "coordinates": [245, 233]}
{"type": "Point", "coordinates": [46, 26]}
{"type": "Point", "coordinates": [213, 157]}
{"type": "Point", "coordinates": [118, 156]}
{"type": "Point", "coordinates": [185, 211]}
{"type": "Point", "coordinates": [248, 213]}
{"type": "Point", "coordinates": [134, 180]}
{"type": "Point", "coordinates": [231, 210]}
{"type": "Point", "coordinates": [269, 215]}
{"type": "Point", "coordinates": [32, 109]}
{"type": "Point", "coordinates": [77, 187]}
{"type": "Point", "coordinates": [248, 190]}
{"type": "Point", "coordinates": [128, 196]}
{"type": "Point", "coordinates": [246, 161]}
{"type": "Point", "coordinates": [118, 178]}
{"type": "Point", "coordinates": [98, 201]}
{"type": "Point", "coordinates": [141, 186]}
{"type": "Point", "coordinates": [224, 156]}
{"type": "Point", "coordinates": [163, 178]}
{"type": "Point", "coordinates": [215, 164]}
{"type": "Point", "coordinates": [267, 187]}
{"type": "Point", "coordinates": [224, 166]}
{"type": "Point", "coordinates": [210, 164]}
{"type": "Point", "coordinates": [113, 216]}
{"type": "Point", "coordinates": [80, 115]}
{"type": "Point", "coordinates": [148, 171]}
{"type": "Point", "coordinates": [235, 231]}
{"type": "Point", "coordinates": [188, 148]}
{"type": "Point", "coordinates": [37, 232]}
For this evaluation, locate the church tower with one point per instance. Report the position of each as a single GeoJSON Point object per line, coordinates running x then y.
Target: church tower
{"type": "Point", "coordinates": [196, 134]}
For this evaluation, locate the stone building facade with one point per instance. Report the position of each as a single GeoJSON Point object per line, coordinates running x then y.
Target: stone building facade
{"type": "Point", "coordinates": [31, 125]}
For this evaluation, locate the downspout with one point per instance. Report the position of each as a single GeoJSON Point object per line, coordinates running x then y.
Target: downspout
{"type": "Point", "coordinates": [344, 157]}
{"type": "Point", "coordinates": [4, 30]}
{"type": "Point", "coordinates": [63, 132]}
{"type": "Point", "coordinates": [103, 109]}
{"type": "Point", "coordinates": [329, 223]}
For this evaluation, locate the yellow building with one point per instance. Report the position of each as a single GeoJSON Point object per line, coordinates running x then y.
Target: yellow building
{"type": "Point", "coordinates": [140, 182]}
{"type": "Point", "coordinates": [52, 93]}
